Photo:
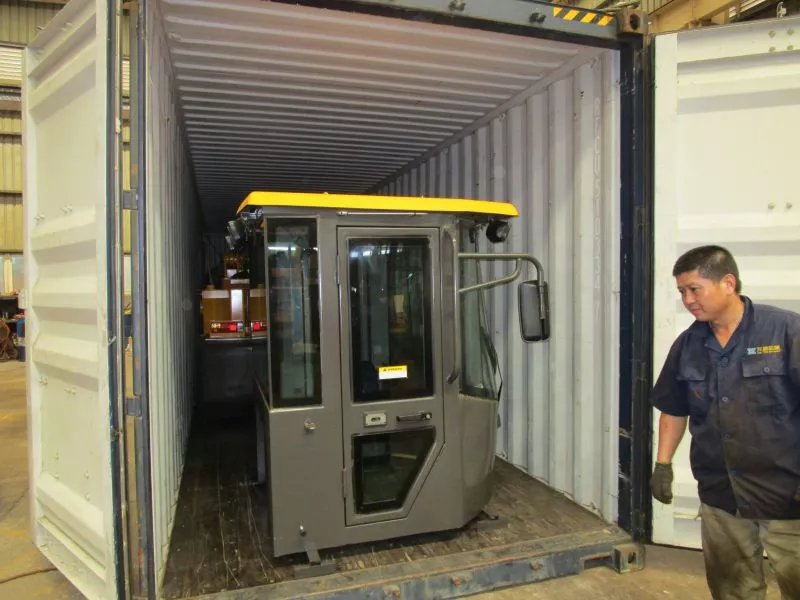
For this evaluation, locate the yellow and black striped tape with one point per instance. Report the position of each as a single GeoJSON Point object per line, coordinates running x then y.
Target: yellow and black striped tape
{"type": "Point", "coordinates": [582, 16]}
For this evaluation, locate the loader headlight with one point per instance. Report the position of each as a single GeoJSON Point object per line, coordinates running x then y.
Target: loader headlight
{"type": "Point", "coordinates": [497, 231]}
{"type": "Point", "coordinates": [236, 231]}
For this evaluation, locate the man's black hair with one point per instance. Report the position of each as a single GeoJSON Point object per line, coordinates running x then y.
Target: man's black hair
{"type": "Point", "coordinates": [712, 262]}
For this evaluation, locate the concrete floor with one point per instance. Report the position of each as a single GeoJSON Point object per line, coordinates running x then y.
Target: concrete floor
{"type": "Point", "coordinates": [25, 573]}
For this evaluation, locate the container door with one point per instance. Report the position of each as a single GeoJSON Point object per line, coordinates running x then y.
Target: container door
{"type": "Point", "coordinates": [393, 412]}
{"type": "Point", "coordinates": [70, 412]}
{"type": "Point", "coordinates": [727, 109]}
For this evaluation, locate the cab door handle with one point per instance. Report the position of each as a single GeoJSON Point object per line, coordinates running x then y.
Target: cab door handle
{"type": "Point", "coordinates": [420, 416]}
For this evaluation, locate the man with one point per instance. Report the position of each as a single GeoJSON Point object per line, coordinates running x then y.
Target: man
{"type": "Point", "coordinates": [735, 375]}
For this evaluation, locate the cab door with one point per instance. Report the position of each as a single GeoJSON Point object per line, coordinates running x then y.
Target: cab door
{"type": "Point", "coordinates": [392, 402]}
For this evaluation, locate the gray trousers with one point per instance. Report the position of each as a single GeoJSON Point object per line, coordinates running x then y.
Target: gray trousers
{"type": "Point", "coordinates": [733, 549]}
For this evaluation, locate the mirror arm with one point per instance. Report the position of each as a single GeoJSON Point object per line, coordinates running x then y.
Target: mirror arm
{"type": "Point", "coordinates": [501, 256]}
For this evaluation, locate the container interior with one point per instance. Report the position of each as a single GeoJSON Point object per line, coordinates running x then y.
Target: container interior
{"type": "Point", "coordinates": [249, 95]}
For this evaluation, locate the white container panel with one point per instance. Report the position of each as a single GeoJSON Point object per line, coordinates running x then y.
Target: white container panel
{"type": "Point", "coordinates": [65, 254]}
{"type": "Point", "coordinates": [555, 156]}
{"type": "Point", "coordinates": [173, 252]}
{"type": "Point", "coordinates": [718, 91]}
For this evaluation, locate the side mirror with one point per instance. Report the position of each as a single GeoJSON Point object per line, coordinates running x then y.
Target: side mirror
{"type": "Point", "coordinates": [534, 311]}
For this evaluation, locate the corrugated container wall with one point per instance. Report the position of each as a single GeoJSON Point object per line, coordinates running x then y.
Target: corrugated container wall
{"type": "Point", "coordinates": [20, 21]}
{"type": "Point", "coordinates": [173, 256]}
{"type": "Point", "coordinates": [556, 157]}
{"type": "Point", "coordinates": [10, 182]}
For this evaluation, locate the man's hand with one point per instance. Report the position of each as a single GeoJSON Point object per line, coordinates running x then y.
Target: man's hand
{"type": "Point", "coordinates": [670, 432]}
{"type": "Point", "coordinates": [661, 483]}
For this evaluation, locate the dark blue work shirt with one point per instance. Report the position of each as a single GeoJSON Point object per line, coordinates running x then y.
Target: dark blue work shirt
{"type": "Point", "coordinates": [743, 404]}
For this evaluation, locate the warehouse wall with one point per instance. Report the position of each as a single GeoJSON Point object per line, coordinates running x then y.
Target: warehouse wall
{"type": "Point", "coordinates": [173, 266]}
{"type": "Point", "coordinates": [555, 157]}
{"type": "Point", "coordinates": [20, 21]}
{"type": "Point", "coordinates": [11, 239]}
{"type": "Point", "coordinates": [10, 181]}
{"type": "Point", "coordinates": [10, 223]}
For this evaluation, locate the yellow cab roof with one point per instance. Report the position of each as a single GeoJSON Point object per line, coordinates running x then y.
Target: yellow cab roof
{"type": "Point", "coordinates": [378, 203]}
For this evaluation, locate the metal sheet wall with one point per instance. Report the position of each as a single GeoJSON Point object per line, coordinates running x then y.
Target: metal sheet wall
{"type": "Point", "coordinates": [10, 65]}
{"type": "Point", "coordinates": [651, 6]}
{"type": "Point", "coordinates": [556, 157]}
{"type": "Point", "coordinates": [10, 182]}
{"type": "Point", "coordinates": [10, 164]}
{"type": "Point", "coordinates": [20, 21]}
{"type": "Point", "coordinates": [173, 253]}
{"type": "Point", "coordinates": [10, 123]}
{"type": "Point", "coordinates": [10, 223]}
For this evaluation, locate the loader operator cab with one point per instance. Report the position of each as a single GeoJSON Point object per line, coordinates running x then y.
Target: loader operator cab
{"type": "Point", "coordinates": [377, 404]}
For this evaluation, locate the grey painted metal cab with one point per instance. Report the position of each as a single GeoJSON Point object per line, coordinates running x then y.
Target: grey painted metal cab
{"type": "Point", "coordinates": [377, 409]}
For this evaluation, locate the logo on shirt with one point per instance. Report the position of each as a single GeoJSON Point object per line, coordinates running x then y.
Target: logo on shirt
{"type": "Point", "coordinates": [754, 350]}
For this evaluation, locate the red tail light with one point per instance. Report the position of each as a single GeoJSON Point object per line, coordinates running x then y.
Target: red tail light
{"type": "Point", "coordinates": [227, 326]}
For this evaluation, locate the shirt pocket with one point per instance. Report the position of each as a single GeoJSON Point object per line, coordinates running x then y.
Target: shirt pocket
{"type": "Point", "coordinates": [695, 379]}
{"type": "Point", "coordinates": [763, 365]}
{"type": "Point", "coordinates": [767, 393]}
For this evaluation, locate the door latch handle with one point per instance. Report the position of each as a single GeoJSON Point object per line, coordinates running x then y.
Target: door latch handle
{"type": "Point", "coordinates": [420, 416]}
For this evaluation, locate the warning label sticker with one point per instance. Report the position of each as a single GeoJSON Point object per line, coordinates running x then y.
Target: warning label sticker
{"type": "Point", "coordinates": [397, 372]}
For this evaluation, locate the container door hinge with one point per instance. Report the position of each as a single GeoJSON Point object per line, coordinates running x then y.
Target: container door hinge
{"type": "Point", "coordinates": [133, 406]}
{"type": "Point", "coordinates": [639, 522]}
{"type": "Point", "coordinates": [640, 218]}
{"type": "Point", "coordinates": [130, 200]}
{"type": "Point", "coordinates": [641, 371]}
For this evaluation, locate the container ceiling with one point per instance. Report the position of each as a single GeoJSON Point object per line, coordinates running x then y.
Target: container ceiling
{"type": "Point", "coordinates": [290, 98]}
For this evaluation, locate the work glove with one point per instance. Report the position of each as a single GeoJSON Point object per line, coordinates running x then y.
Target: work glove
{"type": "Point", "coordinates": [661, 483]}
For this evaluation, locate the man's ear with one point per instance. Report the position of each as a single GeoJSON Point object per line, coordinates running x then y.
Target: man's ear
{"type": "Point", "coordinates": [729, 281]}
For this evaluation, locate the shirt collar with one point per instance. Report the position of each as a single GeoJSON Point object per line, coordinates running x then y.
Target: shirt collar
{"type": "Point", "coordinates": [703, 329]}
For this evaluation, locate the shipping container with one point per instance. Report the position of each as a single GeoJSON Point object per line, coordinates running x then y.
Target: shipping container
{"type": "Point", "coordinates": [619, 152]}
